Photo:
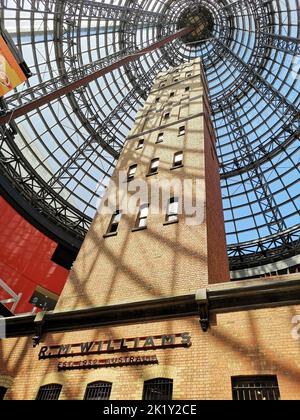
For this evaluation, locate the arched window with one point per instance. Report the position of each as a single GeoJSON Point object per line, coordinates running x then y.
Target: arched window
{"type": "Point", "coordinates": [158, 389]}
{"type": "Point", "coordinates": [49, 392]}
{"type": "Point", "coordinates": [98, 391]}
{"type": "Point", "coordinates": [3, 391]}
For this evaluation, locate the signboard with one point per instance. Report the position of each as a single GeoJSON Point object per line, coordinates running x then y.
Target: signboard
{"type": "Point", "coordinates": [95, 348]}
{"type": "Point", "coordinates": [11, 74]}
{"type": "Point", "coordinates": [105, 363]}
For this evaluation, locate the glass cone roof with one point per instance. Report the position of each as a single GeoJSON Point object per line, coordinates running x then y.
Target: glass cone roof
{"type": "Point", "coordinates": [60, 157]}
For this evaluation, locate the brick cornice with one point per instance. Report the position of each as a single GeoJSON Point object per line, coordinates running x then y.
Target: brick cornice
{"type": "Point", "coordinates": [219, 298]}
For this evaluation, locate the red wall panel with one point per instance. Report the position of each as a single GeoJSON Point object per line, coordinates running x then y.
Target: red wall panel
{"type": "Point", "coordinates": [25, 258]}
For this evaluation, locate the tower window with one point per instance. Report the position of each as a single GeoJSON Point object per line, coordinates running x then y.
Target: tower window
{"type": "Point", "coordinates": [131, 172]}
{"type": "Point", "coordinates": [157, 100]}
{"type": "Point", "coordinates": [181, 131]}
{"type": "Point", "coordinates": [142, 216]}
{"type": "Point", "coordinates": [153, 169]}
{"type": "Point", "coordinates": [49, 392]}
{"type": "Point", "coordinates": [258, 388]}
{"type": "Point", "coordinates": [167, 116]}
{"type": "Point", "coordinates": [98, 391]}
{"type": "Point", "coordinates": [176, 79]}
{"type": "Point", "coordinates": [3, 392]}
{"type": "Point", "coordinates": [172, 210]}
{"type": "Point", "coordinates": [163, 84]}
{"type": "Point", "coordinates": [159, 389]}
{"type": "Point", "coordinates": [140, 144]}
{"type": "Point", "coordinates": [115, 221]}
{"type": "Point", "coordinates": [160, 138]}
{"type": "Point", "coordinates": [172, 94]}
{"type": "Point", "coordinates": [187, 89]}
{"type": "Point", "coordinates": [189, 74]}
{"type": "Point", "coordinates": [178, 159]}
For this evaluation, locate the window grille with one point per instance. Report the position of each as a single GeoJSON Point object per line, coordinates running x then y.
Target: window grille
{"type": "Point", "coordinates": [49, 392]}
{"type": "Point", "coordinates": [159, 389]}
{"type": "Point", "coordinates": [98, 391]}
{"type": "Point", "coordinates": [259, 388]}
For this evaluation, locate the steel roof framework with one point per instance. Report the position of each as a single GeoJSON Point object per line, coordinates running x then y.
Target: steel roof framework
{"type": "Point", "coordinates": [251, 68]}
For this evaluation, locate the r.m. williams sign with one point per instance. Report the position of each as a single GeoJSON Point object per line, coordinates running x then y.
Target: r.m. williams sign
{"type": "Point", "coordinates": [94, 348]}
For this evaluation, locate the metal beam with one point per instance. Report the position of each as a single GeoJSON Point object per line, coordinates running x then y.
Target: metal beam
{"type": "Point", "coordinates": [268, 206]}
{"type": "Point", "coordinates": [90, 147]}
{"type": "Point", "coordinates": [84, 8]}
{"type": "Point", "coordinates": [82, 81]}
{"type": "Point", "coordinates": [264, 88]}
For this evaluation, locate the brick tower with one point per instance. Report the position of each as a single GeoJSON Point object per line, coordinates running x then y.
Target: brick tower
{"type": "Point", "coordinates": [140, 254]}
{"type": "Point", "coordinates": [127, 323]}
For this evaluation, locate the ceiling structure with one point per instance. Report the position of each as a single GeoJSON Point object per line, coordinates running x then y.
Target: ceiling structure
{"type": "Point", "coordinates": [56, 161]}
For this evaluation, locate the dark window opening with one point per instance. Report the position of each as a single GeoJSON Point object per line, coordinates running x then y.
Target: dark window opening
{"type": "Point", "coordinates": [187, 89]}
{"type": "Point", "coordinates": [44, 299]}
{"type": "Point", "coordinates": [167, 116]}
{"type": "Point", "coordinates": [49, 392]}
{"type": "Point", "coordinates": [181, 131]}
{"type": "Point", "coordinates": [172, 210]}
{"type": "Point", "coordinates": [98, 391]}
{"type": "Point", "coordinates": [140, 144]}
{"type": "Point", "coordinates": [153, 169]}
{"type": "Point", "coordinates": [160, 138]}
{"type": "Point", "coordinates": [178, 159]}
{"type": "Point", "coordinates": [158, 389]}
{"type": "Point", "coordinates": [131, 172]}
{"type": "Point", "coordinates": [3, 392]}
{"type": "Point", "coordinates": [115, 220]}
{"type": "Point", "coordinates": [172, 94]}
{"type": "Point", "coordinates": [142, 216]}
{"type": "Point", "coordinates": [257, 388]}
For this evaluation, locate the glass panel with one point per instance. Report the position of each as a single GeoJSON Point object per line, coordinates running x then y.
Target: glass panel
{"type": "Point", "coordinates": [144, 211]}
{"type": "Point", "coordinates": [143, 222]}
{"type": "Point", "coordinates": [117, 217]}
{"type": "Point", "coordinates": [178, 158]}
{"type": "Point", "coordinates": [132, 171]}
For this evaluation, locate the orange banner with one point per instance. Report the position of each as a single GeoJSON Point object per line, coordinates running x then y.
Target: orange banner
{"type": "Point", "coordinates": [11, 74]}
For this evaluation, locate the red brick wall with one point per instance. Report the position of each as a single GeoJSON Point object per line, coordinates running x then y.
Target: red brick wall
{"type": "Point", "coordinates": [218, 264]}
